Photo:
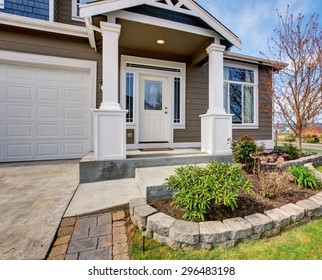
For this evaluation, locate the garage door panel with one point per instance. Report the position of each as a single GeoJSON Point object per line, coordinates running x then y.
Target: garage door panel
{"type": "Point", "coordinates": [48, 94]}
{"type": "Point", "coordinates": [20, 74]}
{"type": "Point", "coordinates": [74, 149]}
{"type": "Point", "coordinates": [19, 131]}
{"type": "Point", "coordinates": [72, 95]}
{"type": "Point", "coordinates": [48, 150]}
{"type": "Point", "coordinates": [48, 130]}
{"type": "Point", "coordinates": [45, 113]}
{"type": "Point", "coordinates": [20, 151]}
{"type": "Point", "coordinates": [74, 113]}
{"type": "Point", "coordinates": [19, 93]}
{"type": "Point", "coordinates": [19, 112]}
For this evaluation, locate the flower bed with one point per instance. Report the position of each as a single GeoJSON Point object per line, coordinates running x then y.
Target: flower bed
{"type": "Point", "coordinates": [177, 233]}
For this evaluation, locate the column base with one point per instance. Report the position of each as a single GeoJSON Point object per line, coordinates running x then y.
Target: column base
{"type": "Point", "coordinates": [109, 134]}
{"type": "Point", "coordinates": [216, 130]}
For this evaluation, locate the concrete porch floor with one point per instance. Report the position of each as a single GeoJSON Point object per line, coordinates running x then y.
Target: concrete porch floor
{"type": "Point", "coordinates": [92, 170]}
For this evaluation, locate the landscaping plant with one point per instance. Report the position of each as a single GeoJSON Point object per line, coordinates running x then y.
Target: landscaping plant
{"type": "Point", "coordinates": [244, 151]}
{"type": "Point", "coordinates": [304, 177]}
{"type": "Point", "coordinates": [198, 189]}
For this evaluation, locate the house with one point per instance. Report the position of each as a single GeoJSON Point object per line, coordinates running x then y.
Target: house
{"type": "Point", "coordinates": [115, 75]}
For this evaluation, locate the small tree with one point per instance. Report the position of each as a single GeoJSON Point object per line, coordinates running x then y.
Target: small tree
{"type": "Point", "coordinates": [297, 89]}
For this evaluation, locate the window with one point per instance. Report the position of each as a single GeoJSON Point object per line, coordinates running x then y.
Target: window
{"type": "Point", "coordinates": [129, 96]}
{"type": "Point", "coordinates": [177, 85]}
{"type": "Point", "coordinates": [1, 4]}
{"type": "Point", "coordinates": [239, 95]}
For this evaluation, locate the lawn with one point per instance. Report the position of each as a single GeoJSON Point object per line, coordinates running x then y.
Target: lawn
{"type": "Point", "coordinates": [301, 243]}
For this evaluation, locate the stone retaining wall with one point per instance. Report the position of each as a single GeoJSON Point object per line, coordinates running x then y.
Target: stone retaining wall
{"type": "Point", "coordinates": [315, 159]}
{"type": "Point", "coordinates": [206, 235]}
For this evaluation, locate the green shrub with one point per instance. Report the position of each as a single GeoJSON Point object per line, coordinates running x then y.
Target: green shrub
{"type": "Point", "coordinates": [293, 152]}
{"type": "Point", "coordinates": [198, 189]}
{"type": "Point", "coordinates": [313, 140]}
{"type": "Point", "coordinates": [288, 139]}
{"type": "Point", "coordinates": [304, 177]}
{"type": "Point", "coordinates": [244, 151]}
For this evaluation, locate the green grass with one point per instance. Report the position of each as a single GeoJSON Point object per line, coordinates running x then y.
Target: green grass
{"type": "Point", "coordinates": [301, 243]}
{"type": "Point", "coordinates": [319, 168]}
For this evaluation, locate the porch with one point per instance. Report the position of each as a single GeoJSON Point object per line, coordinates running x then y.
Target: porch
{"type": "Point", "coordinates": [92, 170]}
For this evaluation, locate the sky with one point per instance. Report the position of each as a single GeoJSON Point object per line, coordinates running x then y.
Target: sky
{"type": "Point", "coordinates": [254, 21]}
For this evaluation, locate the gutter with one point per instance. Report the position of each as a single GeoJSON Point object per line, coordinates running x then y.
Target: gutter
{"type": "Point", "coordinates": [43, 25]}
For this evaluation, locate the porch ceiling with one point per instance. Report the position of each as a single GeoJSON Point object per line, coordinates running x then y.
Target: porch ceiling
{"type": "Point", "coordinates": [140, 36]}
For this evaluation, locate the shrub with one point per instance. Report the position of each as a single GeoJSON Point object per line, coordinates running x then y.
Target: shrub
{"type": "Point", "coordinates": [288, 139]}
{"type": "Point", "coordinates": [304, 177]}
{"type": "Point", "coordinates": [313, 140]}
{"type": "Point", "coordinates": [199, 189]}
{"type": "Point", "coordinates": [293, 152]}
{"type": "Point", "coordinates": [244, 152]}
{"type": "Point", "coordinates": [308, 134]}
{"type": "Point", "coordinates": [272, 183]}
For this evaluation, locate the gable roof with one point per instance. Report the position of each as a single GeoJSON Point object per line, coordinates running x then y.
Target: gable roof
{"type": "Point", "coordinates": [188, 7]}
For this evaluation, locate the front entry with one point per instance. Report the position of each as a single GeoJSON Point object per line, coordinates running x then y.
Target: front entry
{"type": "Point", "coordinates": [154, 109]}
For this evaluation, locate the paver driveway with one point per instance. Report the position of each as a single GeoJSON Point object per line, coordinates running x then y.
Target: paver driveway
{"type": "Point", "coordinates": [33, 198]}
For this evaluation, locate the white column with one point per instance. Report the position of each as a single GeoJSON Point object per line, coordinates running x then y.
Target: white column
{"type": "Point", "coordinates": [216, 125]}
{"type": "Point", "coordinates": [109, 119]}
{"type": "Point", "coordinates": [111, 34]}
{"type": "Point", "coordinates": [216, 78]}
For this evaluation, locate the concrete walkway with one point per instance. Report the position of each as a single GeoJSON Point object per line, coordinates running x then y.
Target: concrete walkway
{"type": "Point", "coordinates": [33, 199]}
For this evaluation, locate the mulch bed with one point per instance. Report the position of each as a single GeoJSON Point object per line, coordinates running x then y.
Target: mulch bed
{"type": "Point", "coordinates": [247, 204]}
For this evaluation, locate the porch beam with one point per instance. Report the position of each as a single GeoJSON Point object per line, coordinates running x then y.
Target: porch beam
{"type": "Point", "coordinates": [164, 23]}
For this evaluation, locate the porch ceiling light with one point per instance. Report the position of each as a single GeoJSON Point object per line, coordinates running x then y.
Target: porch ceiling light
{"type": "Point", "coordinates": [160, 42]}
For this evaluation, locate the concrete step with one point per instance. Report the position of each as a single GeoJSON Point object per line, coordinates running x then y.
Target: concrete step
{"type": "Point", "coordinates": [151, 180]}
{"type": "Point", "coordinates": [94, 171]}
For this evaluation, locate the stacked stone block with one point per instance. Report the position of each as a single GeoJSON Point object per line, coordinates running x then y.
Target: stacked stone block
{"type": "Point", "coordinates": [207, 235]}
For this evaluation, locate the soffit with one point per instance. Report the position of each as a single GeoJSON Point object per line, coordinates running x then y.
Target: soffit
{"type": "Point", "coordinates": [139, 36]}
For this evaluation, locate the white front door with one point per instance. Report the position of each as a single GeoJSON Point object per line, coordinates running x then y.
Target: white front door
{"type": "Point", "coordinates": [154, 109]}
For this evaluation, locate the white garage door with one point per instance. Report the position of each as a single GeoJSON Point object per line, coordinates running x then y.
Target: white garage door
{"type": "Point", "coordinates": [44, 112]}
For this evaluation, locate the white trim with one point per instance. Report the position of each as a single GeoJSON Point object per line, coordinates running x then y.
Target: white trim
{"type": "Point", "coordinates": [164, 23]}
{"type": "Point", "coordinates": [137, 73]}
{"type": "Point", "coordinates": [51, 10]}
{"type": "Point", "coordinates": [241, 65]}
{"type": "Point", "coordinates": [44, 60]}
{"type": "Point", "coordinates": [164, 145]}
{"type": "Point", "coordinates": [43, 25]}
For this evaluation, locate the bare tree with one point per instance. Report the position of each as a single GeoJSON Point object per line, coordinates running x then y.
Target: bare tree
{"type": "Point", "coordinates": [297, 89]}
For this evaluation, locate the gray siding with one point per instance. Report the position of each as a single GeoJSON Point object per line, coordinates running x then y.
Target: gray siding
{"type": "Point", "coordinates": [196, 103]}
{"type": "Point", "coordinates": [12, 39]}
{"type": "Point", "coordinates": [64, 13]}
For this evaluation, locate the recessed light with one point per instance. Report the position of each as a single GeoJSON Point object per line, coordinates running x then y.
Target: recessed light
{"type": "Point", "coordinates": [160, 42]}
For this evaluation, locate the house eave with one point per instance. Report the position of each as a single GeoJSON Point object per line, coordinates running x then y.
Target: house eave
{"type": "Point", "coordinates": [42, 25]}
{"type": "Point", "coordinates": [254, 60]}
{"type": "Point", "coordinates": [108, 6]}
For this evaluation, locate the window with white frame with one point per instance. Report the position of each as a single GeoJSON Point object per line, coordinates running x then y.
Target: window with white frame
{"type": "Point", "coordinates": [75, 7]}
{"type": "Point", "coordinates": [1, 4]}
{"type": "Point", "coordinates": [240, 95]}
